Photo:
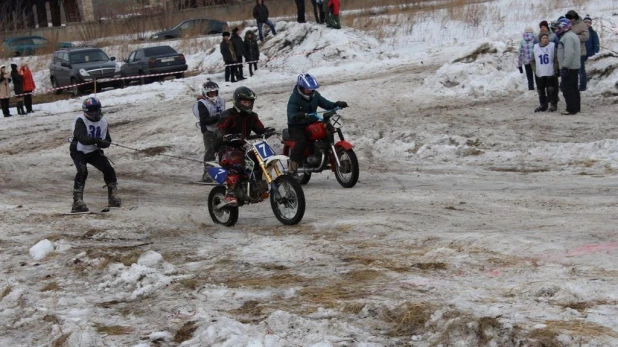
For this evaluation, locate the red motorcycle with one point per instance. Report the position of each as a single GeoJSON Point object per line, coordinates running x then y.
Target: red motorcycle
{"type": "Point", "coordinates": [323, 152]}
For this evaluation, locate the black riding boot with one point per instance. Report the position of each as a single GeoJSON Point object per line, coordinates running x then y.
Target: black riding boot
{"type": "Point", "coordinates": [112, 199]}
{"type": "Point", "coordinates": [78, 200]}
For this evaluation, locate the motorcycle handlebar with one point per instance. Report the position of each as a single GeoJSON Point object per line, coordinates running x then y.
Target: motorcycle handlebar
{"type": "Point", "coordinates": [327, 114]}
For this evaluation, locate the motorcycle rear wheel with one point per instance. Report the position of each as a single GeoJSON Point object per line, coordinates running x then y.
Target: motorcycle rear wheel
{"type": "Point", "coordinates": [304, 177]}
{"type": "Point", "coordinates": [289, 208]}
{"type": "Point", "coordinates": [227, 215]}
{"type": "Point", "coordinates": [347, 174]}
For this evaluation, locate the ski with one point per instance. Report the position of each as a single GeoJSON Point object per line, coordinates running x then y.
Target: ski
{"type": "Point", "coordinates": [202, 183]}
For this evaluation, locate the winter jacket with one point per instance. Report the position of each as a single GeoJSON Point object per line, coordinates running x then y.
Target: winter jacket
{"type": "Point", "coordinates": [18, 80]}
{"type": "Point", "coordinates": [5, 79]}
{"type": "Point", "coordinates": [260, 13]}
{"type": "Point", "coordinates": [297, 103]}
{"type": "Point", "coordinates": [526, 47]}
{"type": "Point", "coordinates": [252, 50]}
{"type": "Point", "coordinates": [334, 5]}
{"type": "Point", "coordinates": [83, 142]}
{"type": "Point", "coordinates": [569, 51]}
{"type": "Point", "coordinates": [228, 52]}
{"type": "Point", "coordinates": [234, 122]}
{"type": "Point", "coordinates": [29, 84]}
{"type": "Point", "coordinates": [208, 113]}
{"type": "Point", "coordinates": [593, 44]}
{"type": "Point", "coordinates": [580, 29]}
{"type": "Point", "coordinates": [239, 46]}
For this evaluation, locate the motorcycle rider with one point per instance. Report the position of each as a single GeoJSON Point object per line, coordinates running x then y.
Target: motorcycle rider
{"type": "Point", "coordinates": [208, 109]}
{"type": "Point", "coordinates": [304, 99]}
{"type": "Point", "coordinates": [90, 135]}
{"type": "Point", "coordinates": [235, 126]}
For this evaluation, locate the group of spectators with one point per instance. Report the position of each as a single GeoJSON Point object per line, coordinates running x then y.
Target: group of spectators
{"type": "Point", "coordinates": [330, 17]}
{"type": "Point", "coordinates": [559, 53]}
{"type": "Point", "coordinates": [23, 86]}
{"type": "Point", "coordinates": [233, 49]}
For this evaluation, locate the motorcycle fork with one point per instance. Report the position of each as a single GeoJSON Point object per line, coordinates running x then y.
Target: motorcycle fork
{"type": "Point", "coordinates": [331, 139]}
{"type": "Point", "coordinates": [269, 178]}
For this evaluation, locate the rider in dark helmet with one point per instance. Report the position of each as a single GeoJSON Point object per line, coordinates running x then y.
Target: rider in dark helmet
{"type": "Point", "coordinates": [304, 99]}
{"type": "Point", "coordinates": [90, 135]}
{"type": "Point", "coordinates": [236, 124]}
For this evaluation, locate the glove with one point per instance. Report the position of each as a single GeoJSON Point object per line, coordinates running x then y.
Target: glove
{"type": "Point", "coordinates": [521, 69]}
{"type": "Point", "coordinates": [269, 130]}
{"type": "Point", "coordinates": [101, 143]}
{"type": "Point", "coordinates": [564, 73]}
{"type": "Point", "coordinates": [300, 116]}
{"type": "Point", "coordinates": [341, 104]}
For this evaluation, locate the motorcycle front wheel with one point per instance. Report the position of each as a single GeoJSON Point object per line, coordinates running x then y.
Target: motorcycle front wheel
{"type": "Point", "coordinates": [227, 215]}
{"type": "Point", "coordinates": [347, 173]}
{"type": "Point", "coordinates": [289, 205]}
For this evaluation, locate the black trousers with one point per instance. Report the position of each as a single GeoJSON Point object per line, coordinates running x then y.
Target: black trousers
{"type": "Point", "coordinates": [231, 71]}
{"type": "Point", "coordinates": [318, 11]}
{"type": "Point", "coordinates": [570, 90]}
{"type": "Point", "coordinates": [5, 106]}
{"type": "Point", "coordinates": [28, 101]}
{"type": "Point", "coordinates": [300, 6]}
{"type": "Point", "coordinates": [252, 66]}
{"type": "Point", "coordinates": [300, 138]}
{"type": "Point", "coordinates": [529, 76]}
{"type": "Point", "coordinates": [547, 87]}
{"type": "Point", "coordinates": [96, 159]}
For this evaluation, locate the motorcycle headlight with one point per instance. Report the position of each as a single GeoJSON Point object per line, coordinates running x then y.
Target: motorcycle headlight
{"type": "Point", "coordinates": [84, 73]}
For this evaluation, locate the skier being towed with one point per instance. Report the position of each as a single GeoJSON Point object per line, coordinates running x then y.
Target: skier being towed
{"type": "Point", "coordinates": [90, 135]}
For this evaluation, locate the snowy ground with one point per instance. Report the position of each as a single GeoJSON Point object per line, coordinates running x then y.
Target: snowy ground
{"type": "Point", "coordinates": [475, 220]}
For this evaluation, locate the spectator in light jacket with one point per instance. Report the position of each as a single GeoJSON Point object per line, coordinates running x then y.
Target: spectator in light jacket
{"type": "Point", "coordinates": [592, 47]}
{"type": "Point", "coordinates": [260, 13]}
{"type": "Point", "coordinates": [569, 53]}
{"type": "Point", "coordinates": [5, 93]}
{"type": "Point", "coordinates": [29, 86]}
{"type": "Point", "coordinates": [526, 51]}
{"type": "Point", "coordinates": [579, 28]}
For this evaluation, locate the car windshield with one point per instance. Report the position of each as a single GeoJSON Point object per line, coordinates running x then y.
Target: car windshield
{"type": "Point", "coordinates": [156, 51]}
{"type": "Point", "coordinates": [88, 56]}
{"type": "Point", "coordinates": [183, 25]}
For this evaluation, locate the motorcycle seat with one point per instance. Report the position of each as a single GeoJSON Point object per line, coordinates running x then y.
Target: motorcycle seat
{"type": "Point", "coordinates": [285, 135]}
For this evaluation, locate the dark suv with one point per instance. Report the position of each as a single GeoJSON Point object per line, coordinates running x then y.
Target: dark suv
{"type": "Point", "coordinates": [192, 27]}
{"type": "Point", "coordinates": [72, 66]}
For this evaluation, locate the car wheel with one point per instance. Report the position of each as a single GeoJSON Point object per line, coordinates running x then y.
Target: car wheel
{"type": "Point", "coordinates": [75, 90]}
{"type": "Point", "coordinates": [55, 86]}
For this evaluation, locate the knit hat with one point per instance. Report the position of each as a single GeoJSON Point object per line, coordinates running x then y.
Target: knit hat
{"type": "Point", "coordinates": [529, 30]}
{"type": "Point", "coordinates": [13, 66]}
{"type": "Point", "coordinates": [572, 15]}
{"type": "Point", "coordinates": [225, 33]}
{"type": "Point", "coordinates": [587, 18]}
{"type": "Point", "coordinates": [544, 24]}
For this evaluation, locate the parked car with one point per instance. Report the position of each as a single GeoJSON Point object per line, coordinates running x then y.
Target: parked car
{"type": "Point", "coordinates": [153, 60]}
{"type": "Point", "coordinates": [71, 66]}
{"type": "Point", "coordinates": [192, 27]}
{"type": "Point", "coordinates": [28, 45]}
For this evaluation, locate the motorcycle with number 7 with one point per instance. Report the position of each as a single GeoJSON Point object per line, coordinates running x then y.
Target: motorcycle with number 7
{"type": "Point", "coordinates": [287, 198]}
{"type": "Point", "coordinates": [323, 152]}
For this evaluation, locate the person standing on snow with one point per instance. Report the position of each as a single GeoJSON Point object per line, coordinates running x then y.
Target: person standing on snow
{"type": "Point", "coordinates": [545, 74]}
{"type": "Point", "coordinates": [90, 136]}
{"type": "Point", "coordinates": [592, 48]}
{"type": "Point", "coordinates": [260, 13]}
{"type": "Point", "coordinates": [252, 51]}
{"type": "Point", "coordinates": [526, 49]}
{"type": "Point", "coordinates": [569, 53]}
{"type": "Point", "coordinates": [579, 28]}
{"type": "Point", "coordinates": [300, 11]}
{"type": "Point", "coordinates": [229, 57]}
{"type": "Point", "coordinates": [18, 88]}
{"type": "Point", "coordinates": [544, 29]}
{"type": "Point", "coordinates": [318, 10]}
{"type": "Point", "coordinates": [334, 7]}
{"type": "Point", "coordinates": [239, 49]}
{"type": "Point", "coordinates": [208, 109]}
{"type": "Point", "coordinates": [5, 92]}
{"type": "Point", "coordinates": [304, 99]}
{"type": "Point", "coordinates": [29, 86]}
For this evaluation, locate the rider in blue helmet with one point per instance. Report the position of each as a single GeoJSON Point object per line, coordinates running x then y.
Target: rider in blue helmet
{"type": "Point", "coordinates": [304, 99]}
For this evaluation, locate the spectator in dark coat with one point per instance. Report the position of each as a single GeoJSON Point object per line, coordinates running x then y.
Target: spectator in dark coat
{"type": "Point", "coordinates": [18, 87]}
{"type": "Point", "coordinates": [592, 48]}
{"type": "Point", "coordinates": [252, 51]}
{"type": "Point", "coordinates": [300, 8]}
{"type": "Point", "coordinates": [260, 13]}
{"type": "Point", "coordinates": [229, 57]}
{"type": "Point", "coordinates": [5, 93]}
{"type": "Point", "coordinates": [239, 49]}
{"type": "Point", "coordinates": [318, 10]}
